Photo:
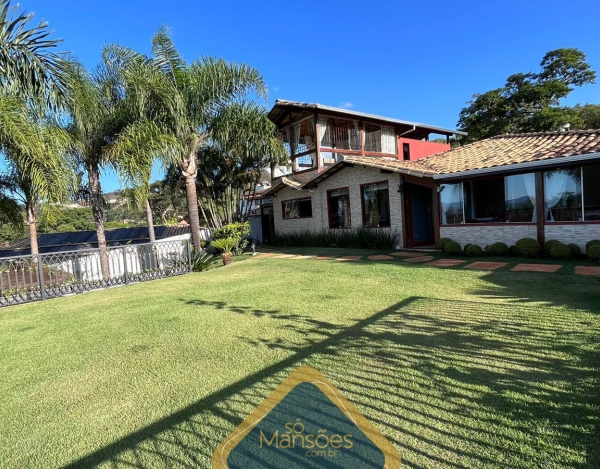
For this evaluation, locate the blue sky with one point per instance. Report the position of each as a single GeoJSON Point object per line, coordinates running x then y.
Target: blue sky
{"type": "Point", "coordinates": [418, 61]}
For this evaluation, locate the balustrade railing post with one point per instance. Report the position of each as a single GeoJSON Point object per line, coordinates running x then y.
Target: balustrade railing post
{"type": "Point", "coordinates": [189, 255]}
{"type": "Point", "coordinates": [40, 272]}
{"type": "Point", "coordinates": [123, 250]}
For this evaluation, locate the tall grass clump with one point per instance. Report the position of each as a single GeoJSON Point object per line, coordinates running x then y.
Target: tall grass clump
{"type": "Point", "coordinates": [360, 238]}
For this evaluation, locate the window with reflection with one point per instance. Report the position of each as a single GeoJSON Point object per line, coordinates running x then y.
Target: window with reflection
{"type": "Point", "coordinates": [563, 194]}
{"type": "Point", "coordinates": [338, 204]}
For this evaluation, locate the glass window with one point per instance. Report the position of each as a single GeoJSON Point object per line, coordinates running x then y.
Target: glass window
{"type": "Point", "coordinates": [341, 134]}
{"type": "Point", "coordinates": [562, 190]}
{"type": "Point", "coordinates": [284, 136]}
{"type": "Point", "coordinates": [520, 198]}
{"type": "Point", "coordinates": [452, 203]}
{"type": "Point", "coordinates": [304, 135]}
{"type": "Point", "coordinates": [484, 200]}
{"type": "Point", "coordinates": [376, 205]}
{"type": "Point", "coordinates": [338, 203]}
{"type": "Point", "coordinates": [380, 139]}
{"type": "Point", "coordinates": [305, 162]}
{"type": "Point", "coordinates": [591, 192]}
{"type": "Point", "coordinates": [296, 208]}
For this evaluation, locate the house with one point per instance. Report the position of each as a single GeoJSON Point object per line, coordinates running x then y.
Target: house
{"type": "Point", "coordinates": [346, 170]}
{"type": "Point", "coordinates": [538, 185]}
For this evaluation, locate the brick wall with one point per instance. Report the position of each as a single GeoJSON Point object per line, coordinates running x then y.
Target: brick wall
{"type": "Point", "coordinates": [576, 233]}
{"type": "Point", "coordinates": [348, 177]}
{"type": "Point", "coordinates": [486, 235]}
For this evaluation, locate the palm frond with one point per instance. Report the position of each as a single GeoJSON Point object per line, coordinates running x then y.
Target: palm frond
{"type": "Point", "coordinates": [29, 66]}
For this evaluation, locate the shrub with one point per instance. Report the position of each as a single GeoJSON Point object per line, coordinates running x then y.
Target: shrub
{"type": "Point", "coordinates": [202, 260]}
{"type": "Point", "coordinates": [467, 246]}
{"type": "Point", "coordinates": [238, 231]}
{"type": "Point", "coordinates": [441, 243]}
{"type": "Point", "coordinates": [473, 250]}
{"type": "Point", "coordinates": [548, 245]}
{"type": "Point", "coordinates": [560, 251]}
{"type": "Point", "coordinates": [575, 250]}
{"type": "Point", "coordinates": [528, 247]}
{"type": "Point", "coordinates": [593, 242]}
{"type": "Point", "coordinates": [512, 251]}
{"type": "Point", "coordinates": [361, 238]}
{"type": "Point", "coordinates": [452, 248]}
{"type": "Point", "coordinates": [594, 252]}
{"type": "Point", "coordinates": [498, 249]}
{"type": "Point", "coordinates": [225, 245]}
{"type": "Point", "coordinates": [487, 248]}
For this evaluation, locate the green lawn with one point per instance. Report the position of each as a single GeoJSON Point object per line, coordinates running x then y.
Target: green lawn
{"type": "Point", "coordinates": [459, 369]}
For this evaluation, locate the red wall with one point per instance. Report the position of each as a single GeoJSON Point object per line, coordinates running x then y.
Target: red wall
{"type": "Point", "coordinates": [421, 149]}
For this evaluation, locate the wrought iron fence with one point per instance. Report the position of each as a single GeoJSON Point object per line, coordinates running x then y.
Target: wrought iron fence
{"type": "Point", "coordinates": [43, 276]}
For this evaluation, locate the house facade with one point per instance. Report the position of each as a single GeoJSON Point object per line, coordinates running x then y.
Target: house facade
{"type": "Point", "coordinates": [354, 170]}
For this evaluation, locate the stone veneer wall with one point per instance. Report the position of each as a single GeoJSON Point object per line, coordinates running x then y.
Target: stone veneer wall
{"type": "Point", "coordinates": [578, 233]}
{"type": "Point", "coordinates": [486, 235]}
{"type": "Point", "coordinates": [353, 178]}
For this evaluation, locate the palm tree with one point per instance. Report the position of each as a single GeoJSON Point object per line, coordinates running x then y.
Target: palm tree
{"type": "Point", "coordinates": [28, 183]}
{"type": "Point", "coordinates": [182, 99]}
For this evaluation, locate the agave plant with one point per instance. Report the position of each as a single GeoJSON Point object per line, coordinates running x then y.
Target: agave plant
{"type": "Point", "coordinates": [226, 246]}
{"type": "Point", "coordinates": [202, 260]}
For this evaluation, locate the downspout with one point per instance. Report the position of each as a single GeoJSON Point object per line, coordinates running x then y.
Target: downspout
{"type": "Point", "coordinates": [408, 131]}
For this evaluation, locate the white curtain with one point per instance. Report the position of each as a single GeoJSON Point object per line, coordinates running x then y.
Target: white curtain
{"type": "Point", "coordinates": [529, 180]}
{"type": "Point", "coordinates": [555, 185]}
{"type": "Point", "coordinates": [324, 133]}
{"type": "Point", "coordinates": [450, 194]}
{"type": "Point", "coordinates": [388, 140]}
{"type": "Point", "coordinates": [296, 132]}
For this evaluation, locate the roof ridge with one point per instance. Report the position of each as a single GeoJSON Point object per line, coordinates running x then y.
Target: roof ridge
{"type": "Point", "coordinates": [544, 133]}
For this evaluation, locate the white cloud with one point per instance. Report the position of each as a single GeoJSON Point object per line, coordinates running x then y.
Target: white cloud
{"type": "Point", "coordinates": [276, 89]}
{"type": "Point", "coordinates": [347, 105]}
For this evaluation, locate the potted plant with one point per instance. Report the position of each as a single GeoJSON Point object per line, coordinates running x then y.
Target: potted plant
{"type": "Point", "coordinates": [225, 246]}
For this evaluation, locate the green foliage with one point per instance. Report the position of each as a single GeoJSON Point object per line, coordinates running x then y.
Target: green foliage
{"type": "Point", "coordinates": [589, 115]}
{"type": "Point", "coordinates": [225, 245]}
{"type": "Point", "coordinates": [202, 260]}
{"type": "Point", "coordinates": [528, 247]}
{"type": "Point", "coordinates": [440, 243]}
{"type": "Point", "coordinates": [466, 246]}
{"type": "Point", "coordinates": [452, 248]}
{"type": "Point", "coordinates": [512, 251]}
{"type": "Point", "coordinates": [575, 250]}
{"type": "Point", "coordinates": [498, 249]}
{"type": "Point", "coordinates": [560, 251]}
{"type": "Point", "coordinates": [548, 245]}
{"type": "Point", "coordinates": [360, 238]}
{"type": "Point", "coordinates": [234, 230]}
{"type": "Point", "coordinates": [473, 250]}
{"type": "Point", "coordinates": [589, 244]}
{"type": "Point", "coordinates": [594, 252]}
{"type": "Point", "coordinates": [529, 102]}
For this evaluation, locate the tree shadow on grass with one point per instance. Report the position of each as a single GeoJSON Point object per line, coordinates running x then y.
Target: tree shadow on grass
{"type": "Point", "coordinates": [451, 383]}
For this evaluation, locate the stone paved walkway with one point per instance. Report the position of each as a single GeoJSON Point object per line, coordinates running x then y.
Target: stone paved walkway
{"type": "Point", "coordinates": [425, 259]}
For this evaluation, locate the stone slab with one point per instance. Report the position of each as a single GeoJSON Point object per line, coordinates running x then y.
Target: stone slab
{"type": "Point", "coordinates": [349, 258]}
{"type": "Point", "coordinates": [536, 268]}
{"type": "Point", "coordinates": [406, 254]}
{"type": "Point", "coordinates": [446, 262]}
{"type": "Point", "coordinates": [420, 259]}
{"type": "Point", "coordinates": [324, 258]}
{"type": "Point", "coordinates": [587, 270]}
{"type": "Point", "coordinates": [482, 265]}
{"type": "Point", "coordinates": [381, 257]}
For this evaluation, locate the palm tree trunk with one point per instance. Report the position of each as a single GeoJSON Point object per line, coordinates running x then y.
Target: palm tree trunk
{"type": "Point", "coordinates": [32, 222]}
{"type": "Point", "coordinates": [150, 220]}
{"type": "Point", "coordinates": [98, 215]}
{"type": "Point", "coordinates": [189, 168]}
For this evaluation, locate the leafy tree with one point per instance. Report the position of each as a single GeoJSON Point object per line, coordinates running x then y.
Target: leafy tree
{"type": "Point", "coordinates": [529, 102]}
{"type": "Point", "coordinates": [589, 115]}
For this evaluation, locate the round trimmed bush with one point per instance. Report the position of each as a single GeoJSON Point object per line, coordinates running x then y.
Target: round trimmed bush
{"type": "Point", "coordinates": [498, 249]}
{"type": "Point", "coordinates": [441, 243]}
{"type": "Point", "coordinates": [560, 251]}
{"type": "Point", "coordinates": [548, 245]}
{"type": "Point", "coordinates": [452, 248]}
{"type": "Point", "coordinates": [512, 251]}
{"type": "Point", "coordinates": [594, 252]}
{"type": "Point", "coordinates": [528, 247]}
{"type": "Point", "coordinates": [593, 242]}
{"type": "Point", "coordinates": [575, 250]}
{"type": "Point", "coordinates": [466, 246]}
{"type": "Point", "coordinates": [473, 250]}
